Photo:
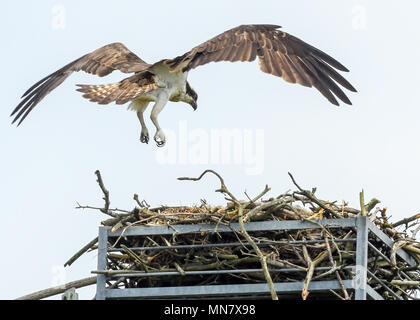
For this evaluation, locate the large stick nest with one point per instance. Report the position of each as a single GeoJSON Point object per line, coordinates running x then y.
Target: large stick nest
{"type": "Point", "coordinates": [274, 256]}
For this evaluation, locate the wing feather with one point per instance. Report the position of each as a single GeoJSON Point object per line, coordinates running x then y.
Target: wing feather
{"type": "Point", "coordinates": [246, 50]}
{"type": "Point", "coordinates": [304, 76]}
{"type": "Point", "coordinates": [300, 78]}
{"type": "Point", "coordinates": [288, 74]}
{"type": "Point", "coordinates": [325, 68]}
{"type": "Point", "coordinates": [240, 48]}
{"type": "Point", "coordinates": [120, 92]}
{"type": "Point", "coordinates": [275, 65]}
{"type": "Point", "coordinates": [263, 65]}
{"type": "Point", "coordinates": [328, 83]}
{"type": "Point", "coordinates": [279, 53]}
{"type": "Point", "coordinates": [101, 62]}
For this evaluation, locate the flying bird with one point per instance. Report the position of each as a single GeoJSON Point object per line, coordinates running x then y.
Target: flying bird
{"type": "Point", "coordinates": [278, 52]}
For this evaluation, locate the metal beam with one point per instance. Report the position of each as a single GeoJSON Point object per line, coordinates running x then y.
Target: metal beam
{"type": "Point", "coordinates": [385, 239]}
{"type": "Point", "coordinates": [373, 294]}
{"type": "Point", "coordinates": [360, 278]}
{"type": "Point", "coordinates": [220, 290]}
{"type": "Point", "coordinates": [383, 285]}
{"type": "Point", "coordinates": [151, 274]}
{"type": "Point", "coordinates": [102, 262]}
{"type": "Point", "coordinates": [251, 226]}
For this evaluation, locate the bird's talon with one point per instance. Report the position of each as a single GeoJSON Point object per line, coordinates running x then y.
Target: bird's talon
{"type": "Point", "coordinates": [160, 143]}
{"type": "Point", "coordinates": [144, 137]}
{"type": "Point", "coordinates": [160, 138]}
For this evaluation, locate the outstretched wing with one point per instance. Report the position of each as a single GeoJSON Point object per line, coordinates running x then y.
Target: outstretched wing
{"type": "Point", "coordinates": [279, 53]}
{"type": "Point", "coordinates": [100, 62]}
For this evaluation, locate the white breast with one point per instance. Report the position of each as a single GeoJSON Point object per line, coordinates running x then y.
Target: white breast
{"type": "Point", "coordinates": [175, 82]}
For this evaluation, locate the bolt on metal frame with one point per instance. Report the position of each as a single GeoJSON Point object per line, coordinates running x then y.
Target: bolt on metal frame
{"type": "Point", "coordinates": [359, 284]}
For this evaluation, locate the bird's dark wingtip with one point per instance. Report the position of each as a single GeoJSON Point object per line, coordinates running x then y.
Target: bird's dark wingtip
{"type": "Point", "coordinates": [14, 120]}
{"type": "Point", "coordinates": [348, 86]}
{"type": "Point", "coordinates": [17, 108]}
{"type": "Point", "coordinates": [15, 116]}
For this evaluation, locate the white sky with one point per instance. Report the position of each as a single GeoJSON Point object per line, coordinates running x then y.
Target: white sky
{"type": "Point", "coordinates": [48, 163]}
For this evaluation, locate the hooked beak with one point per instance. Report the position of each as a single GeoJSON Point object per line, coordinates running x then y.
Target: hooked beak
{"type": "Point", "coordinates": [193, 105]}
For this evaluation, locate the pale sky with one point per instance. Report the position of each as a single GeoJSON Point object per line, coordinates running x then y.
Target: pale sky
{"type": "Point", "coordinates": [48, 162]}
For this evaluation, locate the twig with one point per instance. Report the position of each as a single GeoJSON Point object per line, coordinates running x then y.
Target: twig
{"type": "Point", "coordinates": [337, 295]}
{"type": "Point", "coordinates": [371, 204]}
{"type": "Point", "coordinates": [333, 263]}
{"type": "Point", "coordinates": [81, 251]}
{"type": "Point", "coordinates": [136, 258]}
{"type": "Point", "coordinates": [257, 250]}
{"type": "Point", "coordinates": [311, 196]}
{"type": "Point", "coordinates": [405, 283]}
{"type": "Point", "coordinates": [79, 206]}
{"type": "Point", "coordinates": [414, 234]}
{"type": "Point", "coordinates": [397, 245]}
{"type": "Point", "coordinates": [406, 220]}
{"type": "Point", "coordinates": [105, 209]}
{"type": "Point", "coordinates": [222, 189]}
{"type": "Point", "coordinates": [179, 269]}
{"type": "Point", "coordinates": [309, 274]}
{"type": "Point", "coordinates": [59, 289]}
{"type": "Point", "coordinates": [261, 207]}
{"type": "Point", "coordinates": [362, 203]}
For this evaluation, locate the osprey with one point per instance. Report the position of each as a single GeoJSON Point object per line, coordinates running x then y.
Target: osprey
{"type": "Point", "coordinates": [279, 54]}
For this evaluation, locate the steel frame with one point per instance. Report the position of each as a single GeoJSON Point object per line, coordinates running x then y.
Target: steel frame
{"type": "Point", "coordinates": [359, 284]}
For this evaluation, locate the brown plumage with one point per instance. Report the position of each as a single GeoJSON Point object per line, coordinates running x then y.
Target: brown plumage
{"type": "Point", "coordinates": [279, 54]}
{"type": "Point", "coordinates": [120, 92]}
{"type": "Point", "coordinates": [100, 62]}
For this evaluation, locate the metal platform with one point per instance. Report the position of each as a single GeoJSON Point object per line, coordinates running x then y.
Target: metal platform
{"type": "Point", "coordinates": [358, 284]}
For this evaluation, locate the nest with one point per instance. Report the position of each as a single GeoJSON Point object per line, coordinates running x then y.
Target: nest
{"type": "Point", "coordinates": [314, 254]}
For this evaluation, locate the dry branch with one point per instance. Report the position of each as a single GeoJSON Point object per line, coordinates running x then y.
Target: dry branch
{"type": "Point", "coordinates": [59, 289]}
{"type": "Point", "coordinates": [81, 252]}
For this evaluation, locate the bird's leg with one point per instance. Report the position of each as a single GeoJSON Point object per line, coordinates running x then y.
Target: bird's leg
{"type": "Point", "coordinates": [157, 108]}
{"type": "Point", "coordinates": [144, 136]}
{"type": "Point", "coordinates": [141, 107]}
